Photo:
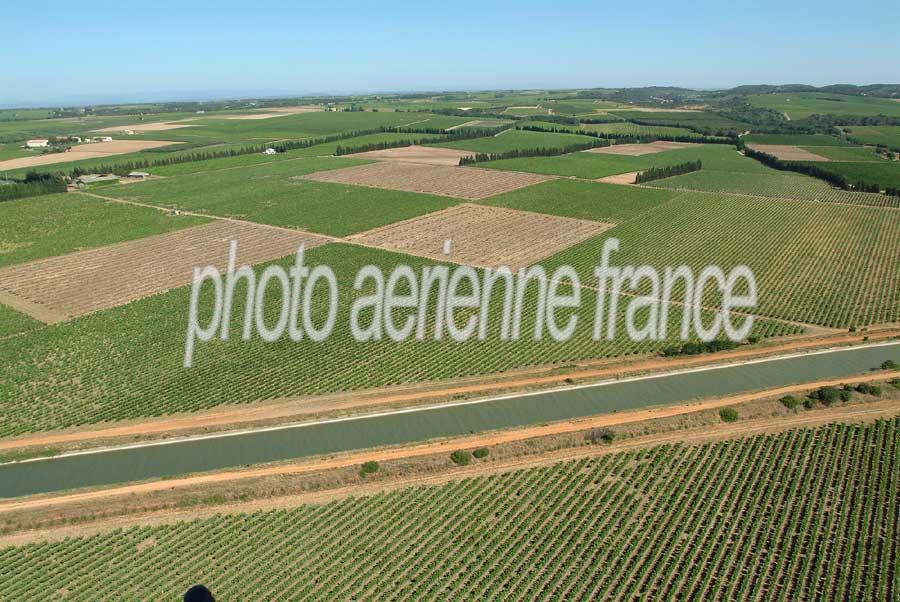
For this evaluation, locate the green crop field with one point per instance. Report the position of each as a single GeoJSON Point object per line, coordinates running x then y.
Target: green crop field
{"type": "Point", "coordinates": [13, 322]}
{"type": "Point", "coordinates": [637, 129]}
{"type": "Point", "coordinates": [800, 105]}
{"type": "Point", "coordinates": [701, 119]}
{"type": "Point", "coordinates": [510, 140]}
{"type": "Point", "coordinates": [801, 274]}
{"type": "Point", "coordinates": [583, 200]}
{"type": "Point", "coordinates": [271, 193]}
{"type": "Point", "coordinates": [87, 384]}
{"type": "Point", "coordinates": [802, 514]}
{"type": "Point", "coordinates": [795, 139]}
{"type": "Point", "coordinates": [884, 173]}
{"type": "Point", "coordinates": [845, 153]}
{"type": "Point", "coordinates": [39, 227]}
{"type": "Point", "coordinates": [888, 135]}
{"type": "Point", "coordinates": [784, 185]}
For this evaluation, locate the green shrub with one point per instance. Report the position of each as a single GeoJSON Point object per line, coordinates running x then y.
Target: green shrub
{"type": "Point", "coordinates": [890, 365]}
{"type": "Point", "coordinates": [826, 395]}
{"type": "Point", "coordinates": [728, 415]}
{"type": "Point", "coordinates": [461, 457]}
{"type": "Point", "coordinates": [867, 389]}
{"type": "Point", "coordinates": [603, 435]}
{"type": "Point", "coordinates": [789, 401]}
{"type": "Point", "coordinates": [370, 467]}
{"type": "Point", "coordinates": [896, 383]}
{"type": "Point", "coordinates": [846, 395]}
{"type": "Point", "coordinates": [481, 453]}
{"type": "Point", "coordinates": [809, 403]}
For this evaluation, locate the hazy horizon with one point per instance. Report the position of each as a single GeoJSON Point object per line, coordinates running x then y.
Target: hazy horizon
{"type": "Point", "coordinates": [182, 52]}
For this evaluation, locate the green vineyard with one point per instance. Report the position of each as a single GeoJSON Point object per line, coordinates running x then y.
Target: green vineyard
{"type": "Point", "coordinates": [811, 514]}
{"type": "Point", "coordinates": [801, 274]}
{"type": "Point", "coordinates": [87, 383]}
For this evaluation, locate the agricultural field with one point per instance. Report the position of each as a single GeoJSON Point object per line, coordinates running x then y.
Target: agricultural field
{"type": "Point", "coordinates": [848, 278]}
{"type": "Point", "coordinates": [431, 155]}
{"type": "Point", "coordinates": [444, 180]}
{"type": "Point", "coordinates": [40, 227]}
{"type": "Point", "coordinates": [592, 165]}
{"type": "Point", "coordinates": [637, 129]}
{"type": "Point", "coordinates": [273, 193]}
{"type": "Point", "coordinates": [510, 140]}
{"type": "Point", "coordinates": [704, 120]}
{"type": "Point", "coordinates": [13, 322]}
{"type": "Point", "coordinates": [89, 385]}
{"type": "Point", "coordinates": [795, 139]}
{"type": "Point", "coordinates": [782, 185]}
{"type": "Point", "coordinates": [801, 514]}
{"type": "Point", "coordinates": [846, 153]}
{"type": "Point", "coordinates": [86, 281]}
{"type": "Point", "coordinates": [888, 135]}
{"type": "Point", "coordinates": [800, 105]}
{"type": "Point", "coordinates": [879, 171]}
{"type": "Point", "coordinates": [583, 200]}
{"type": "Point", "coordinates": [217, 133]}
{"type": "Point", "coordinates": [487, 237]}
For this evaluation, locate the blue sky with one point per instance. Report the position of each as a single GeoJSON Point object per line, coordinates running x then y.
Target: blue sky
{"type": "Point", "coordinates": [54, 51]}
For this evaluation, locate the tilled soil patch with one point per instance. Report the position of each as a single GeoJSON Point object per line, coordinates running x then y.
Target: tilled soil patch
{"type": "Point", "coordinates": [483, 236]}
{"type": "Point", "coordinates": [86, 281]}
{"type": "Point", "coordinates": [459, 182]}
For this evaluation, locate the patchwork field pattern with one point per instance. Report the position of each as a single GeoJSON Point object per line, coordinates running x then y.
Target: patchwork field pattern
{"type": "Point", "coordinates": [788, 152]}
{"type": "Point", "coordinates": [483, 236]}
{"type": "Point", "coordinates": [636, 150]}
{"type": "Point", "coordinates": [46, 226]}
{"type": "Point", "coordinates": [86, 281]}
{"type": "Point", "coordinates": [806, 514]}
{"type": "Point", "coordinates": [459, 182]}
{"type": "Point", "coordinates": [431, 155]}
{"type": "Point", "coordinates": [89, 384]}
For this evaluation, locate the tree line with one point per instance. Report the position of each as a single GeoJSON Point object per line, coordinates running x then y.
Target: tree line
{"type": "Point", "coordinates": [622, 138]}
{"type": "Point", "coordinates": [542, 151]}
{"type": "Point", "coordinates": [658, 173]}
{"type": "Point", "coordinates": [835, 179]}
{"type": "Point", "coordinates": [451, 136]}
{"type": "Point", "coordinates": [34, 184]}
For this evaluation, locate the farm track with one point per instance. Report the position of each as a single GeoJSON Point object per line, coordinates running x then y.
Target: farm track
{"type": "Point", "coordinates": [688, 436]}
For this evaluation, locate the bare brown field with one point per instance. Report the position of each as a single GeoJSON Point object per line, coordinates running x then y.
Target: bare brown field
{"type": "Point", "coordinates": [277, 112]}
{"type": "Point", "coordinates": [636, 150]}
{"type": "Point", "coordinates": [444, 180]}
{"type": "Point", "coordinates": [787, 152]}
{"type": "Point", "coordinates": [620, 178]}
{"type": "Point", "coordinates": [139, 128]}
{"type": "Point", "coordinates": [429, 155]}
{"type": "Point", "coordinates": [95, 150]}
{"type": "Point", "coordinates": [483, 236]}
{"type": "Point", "coordinates": [86, 281]}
